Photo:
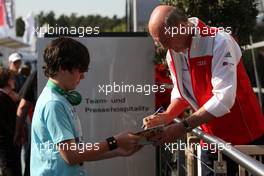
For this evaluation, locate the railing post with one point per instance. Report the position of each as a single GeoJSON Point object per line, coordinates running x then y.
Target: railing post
{"type": "Point", "coordinates": [158, 161]}
{"type": "Point", "coordinates": [180, 160]}
{"type": "Point", "coordinates": [250, 164]}
{"type": "Point", "coordinates": [191, 160]}
{"type": "Point", "coordinates": [220, 167]}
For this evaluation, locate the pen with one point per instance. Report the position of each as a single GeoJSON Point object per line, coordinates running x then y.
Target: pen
{"type": "Point", "coordinates": [155, 113]}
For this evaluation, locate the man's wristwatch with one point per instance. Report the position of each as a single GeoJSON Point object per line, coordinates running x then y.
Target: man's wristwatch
{"type": "Point", "coordinates": [186, 125]}
{"type": "Point", "coordinates": [112, 143]}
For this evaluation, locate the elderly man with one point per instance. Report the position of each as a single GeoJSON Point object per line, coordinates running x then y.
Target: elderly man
{"type": "Point", "coordinates": [208, 74]}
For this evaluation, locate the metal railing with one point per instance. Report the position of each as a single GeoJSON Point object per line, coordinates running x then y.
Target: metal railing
{"type": "Point", "coordinates": [250, 164]}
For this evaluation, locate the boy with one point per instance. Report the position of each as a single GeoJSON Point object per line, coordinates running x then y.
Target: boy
{"type": "Point", "coordinates": [56, 128]}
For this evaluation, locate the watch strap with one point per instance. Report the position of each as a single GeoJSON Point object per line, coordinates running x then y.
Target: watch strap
{"type": "Point", "coordinates": [186, 125]}
{"type": "Point", "coordinates": [112, 143]}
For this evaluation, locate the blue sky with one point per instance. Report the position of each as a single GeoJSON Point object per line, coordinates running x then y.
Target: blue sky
{"type": "Point", "coordinates": [81, 7]}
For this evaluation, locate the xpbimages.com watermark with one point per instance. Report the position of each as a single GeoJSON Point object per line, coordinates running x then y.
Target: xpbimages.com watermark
{"type": "Point", "coordinates": [146, 89]}
{"type": "Point", "coordinates": [79, 147]}
{"type": "Point", "coordinates": [181, 29]}
{"type": "Point", "coordinates": [81, 31]}
{"type": "Point", "coordinates": [212, 147]}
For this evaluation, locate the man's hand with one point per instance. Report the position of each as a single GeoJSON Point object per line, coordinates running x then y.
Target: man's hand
{"type": "Point", "coordinates": [155, 120]}
{"type": "Point", "coordinates": [170, 134]}
{"type": "Point", "coordinates": [127, 143]}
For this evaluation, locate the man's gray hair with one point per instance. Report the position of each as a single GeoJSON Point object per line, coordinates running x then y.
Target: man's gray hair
{"type": "Point", "coordinates": [175, 16]}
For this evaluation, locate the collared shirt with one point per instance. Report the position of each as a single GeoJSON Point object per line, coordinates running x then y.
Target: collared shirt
{"type": "Point", "coordinates": [54, 121]}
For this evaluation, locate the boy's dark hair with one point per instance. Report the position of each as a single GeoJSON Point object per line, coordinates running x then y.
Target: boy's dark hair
{"type": "Point", "coordinates": [66, 53]}
{"type": "Point", "coordinates": [5, 75]}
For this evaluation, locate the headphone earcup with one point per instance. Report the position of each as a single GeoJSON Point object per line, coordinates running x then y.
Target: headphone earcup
{"type": "Point", "coordinates": [73, 97]}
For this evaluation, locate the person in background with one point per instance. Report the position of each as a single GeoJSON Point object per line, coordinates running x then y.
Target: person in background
{"type": "Point", "coordinates": [10, 163]}
{"type": "Point", "coordinates": [15, 61]}
{"type": "Point", "coordinates": [23, 74]}
{"type": "Point", "coordinates": [28, 95]}
{"type": "Point", "coordinates": [26, 69]}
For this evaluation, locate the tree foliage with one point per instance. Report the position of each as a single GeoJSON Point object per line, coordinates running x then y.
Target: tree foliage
{"type": "Point", "coordinates": [20, 27]}
{"type": "Point", "coordinates": [108, 24]}
{"type": "Point", "coordinates": [104, 23]}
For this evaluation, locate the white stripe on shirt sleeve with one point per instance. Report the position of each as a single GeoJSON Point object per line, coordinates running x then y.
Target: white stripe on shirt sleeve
{"type": "Point", "coordinates": [226, 56]}
{"type": "Point", "coordinates": [175, 93]}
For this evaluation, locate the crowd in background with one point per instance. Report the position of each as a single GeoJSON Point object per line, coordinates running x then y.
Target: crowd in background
{"type": "Point", "coordinates": [18, 86]}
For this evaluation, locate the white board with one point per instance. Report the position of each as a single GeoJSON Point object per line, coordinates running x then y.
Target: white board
{"type": "Point", "coordinates": [123, 60]}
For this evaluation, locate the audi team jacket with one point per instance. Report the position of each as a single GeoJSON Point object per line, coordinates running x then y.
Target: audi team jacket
{"type": "Point", "coordinates": [211, 74]}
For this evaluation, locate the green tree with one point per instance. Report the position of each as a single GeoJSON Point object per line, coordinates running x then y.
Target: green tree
{"type": "Point", "coordinates": [105, 24]}
{"type": "Point", "coordinates": [20, 27]}
{"type": "Point", "coordinates": [41, 18]}
{"type": "Point", "coordinates": [51, 18]}
{"type": "Point", "coordinates": [119, 27]}
{"type": "Point", "coordinates": [63, 20]}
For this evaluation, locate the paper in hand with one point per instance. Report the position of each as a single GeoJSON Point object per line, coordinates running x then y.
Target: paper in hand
{"type": "Point", "coordinates": [146, 135]}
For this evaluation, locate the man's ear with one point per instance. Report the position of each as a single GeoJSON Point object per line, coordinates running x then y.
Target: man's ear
{"type": "Point", "coordinates": [184, 24]}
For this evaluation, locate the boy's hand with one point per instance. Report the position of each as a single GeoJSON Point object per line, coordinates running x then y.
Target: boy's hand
{"type": "Point", "coordinates": [127, 143]}
{"type": "Point", "coordinates": [121, 152]}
